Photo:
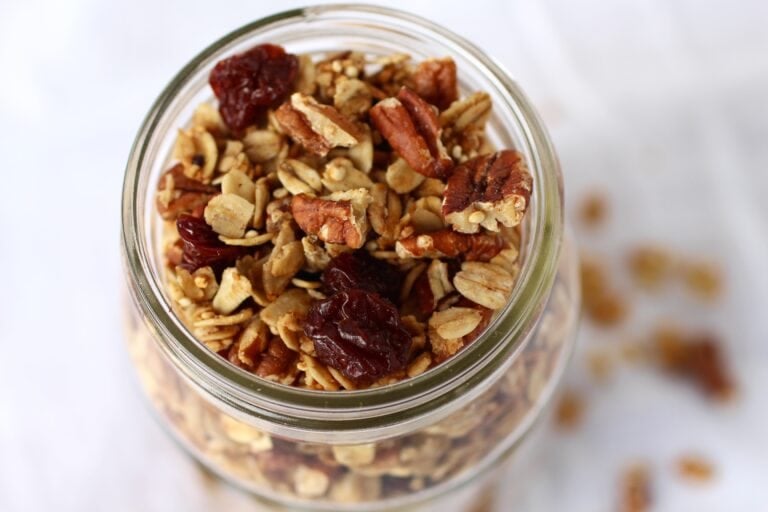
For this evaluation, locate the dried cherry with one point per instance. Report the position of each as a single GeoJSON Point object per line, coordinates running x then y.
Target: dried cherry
{"type": "Point", "coordinates": [249, 83]}
{"type": "Point", "coordinates": [361, 270]}
{"type": "Point", "coordinates": [358, 333]}
{"type": "Point", "coordinates": [202, 247]}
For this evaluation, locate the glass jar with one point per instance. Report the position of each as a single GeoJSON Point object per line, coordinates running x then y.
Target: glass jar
{"type": "Point", "coordinates": [392, 446]}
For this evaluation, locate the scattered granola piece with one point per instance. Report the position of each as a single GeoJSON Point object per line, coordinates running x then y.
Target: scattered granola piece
{"type": "Point", "coordinates": [696, 357]}
{"type": "Point", "coordinates": [602, 304]}
{"type": "Point", "coordinates": [570, 410]}
{"type": "Point", "coordinates": [650, 266]}
{"type": "Point", "coordinates": [600, 364]}
{"type": "Point", "coordinates": [703, 279]}
{"type": "Point", "coordinates": [695, 468]}
{"type": "Point", "coordinates": [593, 210]}
{"type": "Point", "coordinates": [636, 494]}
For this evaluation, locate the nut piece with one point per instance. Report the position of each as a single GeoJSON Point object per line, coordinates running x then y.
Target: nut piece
{"type": "Point", "coordinates": [435, 81]}
{"type": "Point", "coordinates": [448, 327]}
{"type": "Point", "coordinates": [401, 178]}
{"type": "Point", "coordinates": [410, 126]}
{"type": "Point", "coordinates": [338, 219]}
{"type": "Point", "coordinates": [233, 290]}
{"type": "Point", "coordinates": [484, 283]}
{"type": "Point", "coordinates": [315, 126]}
{"type": "Point", "coordinates": [229, 215]}
{"type": "Point", "coordinates": [487, 190]}
{"type": "Point", "coordinates": [237, 182]}
{"type": "Point", "coordinates": [450, 244]}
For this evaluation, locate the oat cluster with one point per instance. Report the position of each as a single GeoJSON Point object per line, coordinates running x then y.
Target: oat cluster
{"type": "Point", "coordinates": [353, 229]}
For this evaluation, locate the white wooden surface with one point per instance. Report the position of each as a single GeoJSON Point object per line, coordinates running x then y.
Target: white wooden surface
{"type": "Point", "coordinates": [662, 104]}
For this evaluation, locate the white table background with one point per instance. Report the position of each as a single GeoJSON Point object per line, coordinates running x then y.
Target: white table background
{"type": "Point", "coordinates": [664, 105]}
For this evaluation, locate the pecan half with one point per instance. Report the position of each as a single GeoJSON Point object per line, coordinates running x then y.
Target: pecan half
{"type": "Point", "coordinates": [339, 219]}
{"type": "Point", "coordinates": [487, 190]}
{"type": "Point", "coordinates": [450, 244]}
{"type": "Point", "coordinates": [315, 126]}
{"type": "Point", "coordinates": [435, 81]}
{"type": "Point", "coordinates": [411, 127]}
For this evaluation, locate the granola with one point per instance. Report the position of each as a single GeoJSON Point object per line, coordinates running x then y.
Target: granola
{"type": "Point", "coordinates": [350, 157]}
{"type": "Point", "coordinates": [263, 250]}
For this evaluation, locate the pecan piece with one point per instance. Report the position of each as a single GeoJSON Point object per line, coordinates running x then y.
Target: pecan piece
{"type": "Point", "coordinates": [435, 81]}
{"type": "Point", "coordinates": [487, 190]}
{"type": "Point", "coordinates": [315, 126]}
{"type": "Point", "coordinates": [338, 219]}
{"type": "Point", "coordinates": [450, 244]}
{"type": "Point", "coordinates": [411, 127]}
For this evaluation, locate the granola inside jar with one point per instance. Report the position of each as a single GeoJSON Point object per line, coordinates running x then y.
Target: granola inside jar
{"type": "Point", "coordinates": [244, 225]}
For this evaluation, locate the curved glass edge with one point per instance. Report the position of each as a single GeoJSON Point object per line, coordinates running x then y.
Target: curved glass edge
{"type": "Point", "coordinates": [292, 407]}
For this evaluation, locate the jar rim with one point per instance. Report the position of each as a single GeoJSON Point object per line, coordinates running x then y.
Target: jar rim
{"type": "Point", "coordinates": [252, 397]}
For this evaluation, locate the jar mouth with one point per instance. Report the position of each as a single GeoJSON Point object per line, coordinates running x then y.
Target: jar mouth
{"type": "Point", "coordinates": [257, 399]}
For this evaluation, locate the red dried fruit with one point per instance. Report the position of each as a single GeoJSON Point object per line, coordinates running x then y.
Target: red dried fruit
{"type": "Point", "coordinates": [361, 270]}
{"type": "Point", "coordinates": [358, 333]}
{"type": "Point", "coordinates": [202, 247]}
{"type": "Point", "coordinates": [184, 183]}
{"type": "Point", "coordinates": [249, 83]}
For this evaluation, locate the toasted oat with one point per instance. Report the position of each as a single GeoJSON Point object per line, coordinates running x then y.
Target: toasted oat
{"type": "Point", "coordinates": [484, 283]}
{"type": "Point", "coordinates": [262, 145]}
{"type": "Point", "coordinates": [233, 290]}
{"type": "Point", "coordinates": [229, 215]}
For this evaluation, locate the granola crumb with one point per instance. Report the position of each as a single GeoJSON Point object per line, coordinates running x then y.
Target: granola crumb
{"type": "Point", "coordinates": [635, 492]}
{"type": "Point", "coordinates": [593, 210]}
{"type": "Point", "coordinates": [603, 305]}
{"type": "Point", "coordinates": [696, 357]}
{"type": "Point", "coordinates": [695, 468]}
{"type": "Point", "coordinates": [600, 365]}
{"type": "Point", "coordinates": [650, 266]}
{"type": "Point", "coordinates": [702, 279]}
{"type": "Point", "coordinates": [570, 410]}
